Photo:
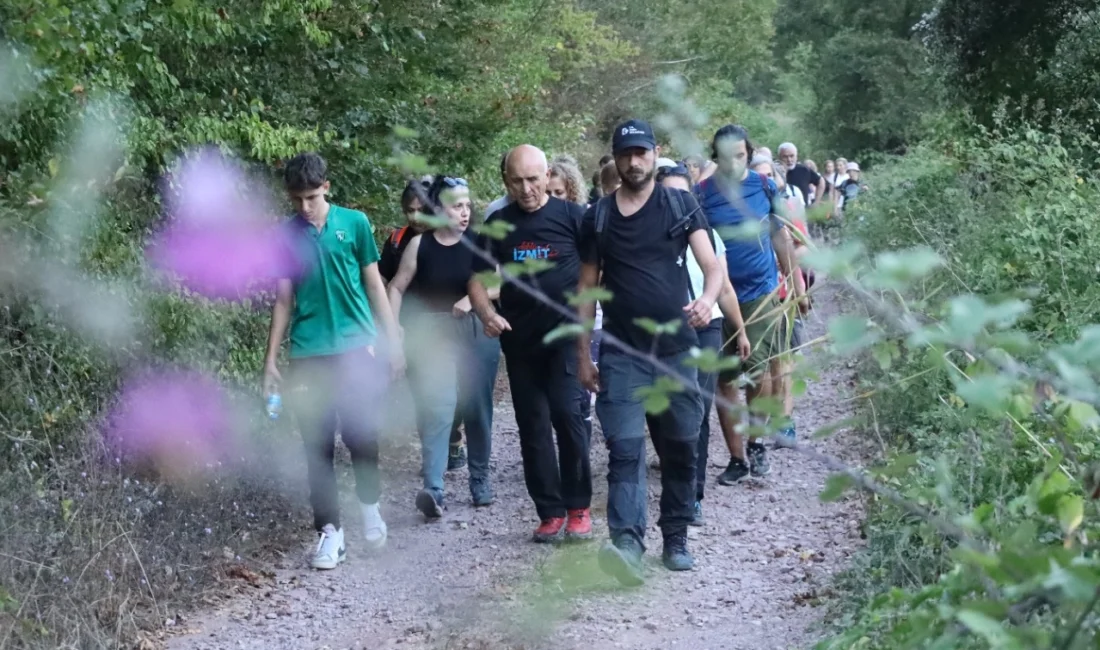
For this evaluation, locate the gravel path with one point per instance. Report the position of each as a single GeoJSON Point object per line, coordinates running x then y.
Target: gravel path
{"type": "Point", "coordinates": [764, 562]}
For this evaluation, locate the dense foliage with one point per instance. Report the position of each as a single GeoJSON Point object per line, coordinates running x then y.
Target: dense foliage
{"type": "Point", "coordinates": [983, 409]}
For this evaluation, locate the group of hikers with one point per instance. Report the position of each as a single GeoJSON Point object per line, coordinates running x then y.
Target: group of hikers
{"type": "Point", "coordinates": [438, 305]}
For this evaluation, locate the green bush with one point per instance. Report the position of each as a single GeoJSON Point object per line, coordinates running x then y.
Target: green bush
{"type": "Point", "coordinates": [1002, 459]}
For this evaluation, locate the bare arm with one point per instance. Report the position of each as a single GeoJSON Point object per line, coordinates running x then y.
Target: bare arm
{"type": "Point", "coordinates": [784, 253]}
{"type": "Point", "coordinates": [406, 271]}
{"type": "Point", "coordinates": [494, 323]}
{"type": "Point", "coordinates": [380, 306]}
{"type": "Point", "coordinates": [586, 312]}
{"type": "Point", "coordinates": [820, 191]}
{"type": "Point", "coordinates": [280, 321]}
{"type": "Point", "coordinates": [708, 264]}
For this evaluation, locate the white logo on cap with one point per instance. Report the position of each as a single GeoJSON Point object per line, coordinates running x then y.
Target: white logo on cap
{"type": "Point", "coordinates": [630, 130]}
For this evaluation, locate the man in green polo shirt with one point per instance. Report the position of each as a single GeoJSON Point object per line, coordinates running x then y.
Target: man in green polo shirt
{"type": "Point", "coordinates": [336, 372]}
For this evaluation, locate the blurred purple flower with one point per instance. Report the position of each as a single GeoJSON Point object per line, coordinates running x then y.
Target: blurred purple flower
{"type": "Point", "coordinates": [219, 239]}
{"type": "Point", "coordinates": [177, 417]}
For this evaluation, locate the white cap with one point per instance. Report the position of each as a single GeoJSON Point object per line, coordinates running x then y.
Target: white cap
{"type": "Point", "coordinates": [853, 167]}
{"type": "Point", "coordinates": [665, 162]}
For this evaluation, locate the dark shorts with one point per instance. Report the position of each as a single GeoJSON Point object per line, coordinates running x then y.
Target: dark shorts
{"type": "Point", "coordinates": [765, 325]}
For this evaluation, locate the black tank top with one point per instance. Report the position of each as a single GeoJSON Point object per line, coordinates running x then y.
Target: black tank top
{"type": "Point", "coordinates": [442, 273]}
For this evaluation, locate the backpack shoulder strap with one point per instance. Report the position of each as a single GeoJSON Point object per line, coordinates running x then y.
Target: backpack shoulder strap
{"type": "Point", "coordinates": [398, 235]}
{"type": "Point", "coordinates": [603, 211]}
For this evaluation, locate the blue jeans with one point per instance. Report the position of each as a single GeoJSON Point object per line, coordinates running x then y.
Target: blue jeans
{"type": "Point", "coordinates": [433, 350]}
{"type": "Point", "coordinates": [675, 434]}
{"type": "Point", "coordinates": [477, 377]}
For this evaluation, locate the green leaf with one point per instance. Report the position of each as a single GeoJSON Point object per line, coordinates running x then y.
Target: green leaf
{"type": "Point", "coordinates": [986, 391]}
{"type": "Point", "coordinates": [835, 487]}
{"type": "Point", "coordinates": [986, 628]}
{"type": "Point", "coordinates": [526, 267]}
{"type": "Point", "coordinates": [1071, 511]}
{"type": "Point", "coordinates": [1080, 416]}
{"type": "Point", "coordinates": [850, 334]}
{"type": "Point", "coordinates": [590, 295]}
{"type": "Point", "coordinates": [489, 279]}
{"type": "Point", "coordinates": [711, 360]}
{"type": "Point", "coordinates": [404, 133]}
{"type": "Point", "coordinates": [655, 398]}
{"type": "Point", "coordinates": [658, 329]}
{"type": "Point", "coordinates": [570, 330]}
{"type": "Point", "coordinates": [497, 229]}
{"type": "Point", "coordinates": [897, 270]}
{"type": "Point", "coordinates": [1077, 583]}
{"type": "Point", "coordinates": [898, 465]}
{"type": "Point", "coordinates": [836, 262]}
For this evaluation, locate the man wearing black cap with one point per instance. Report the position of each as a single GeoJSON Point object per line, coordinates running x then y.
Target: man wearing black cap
{"type": "Point", "coordinates": [638, 237]}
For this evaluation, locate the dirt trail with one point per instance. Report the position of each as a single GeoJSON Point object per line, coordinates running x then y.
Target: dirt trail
{"type": "Point", "coordinates": [763, 562]}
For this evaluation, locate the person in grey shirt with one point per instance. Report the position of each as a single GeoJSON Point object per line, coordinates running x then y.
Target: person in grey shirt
{"type": "Point", "coordinates": [502, 201]}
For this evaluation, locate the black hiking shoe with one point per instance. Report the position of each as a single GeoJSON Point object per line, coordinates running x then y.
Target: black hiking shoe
{"type": "Point", "coordinates": [429, 504]}
{"type": "Point", "coordinates": [481, 492]}
{"type": "Point", "coordinates": [697, 518]}
{"type": "Point", "coordinates": [676, 556]}
{"type": "Point", "coordinates": [758, 459]}
{"type": "Point", "coordinates": [734, 472]}
{"type": "Point", "coordinates": [622, 559]}
{"type": "Point", "coordinates": [457, 458]}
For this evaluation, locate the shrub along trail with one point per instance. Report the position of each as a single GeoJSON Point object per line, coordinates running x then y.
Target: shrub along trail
{"type": "Point", "coordinates": [764, 563]}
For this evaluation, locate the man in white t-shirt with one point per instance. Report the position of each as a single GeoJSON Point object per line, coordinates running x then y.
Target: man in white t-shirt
{"type": "Point", "coordinates": [710, 336]}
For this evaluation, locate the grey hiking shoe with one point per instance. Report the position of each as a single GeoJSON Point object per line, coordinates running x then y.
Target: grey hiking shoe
{"type": "Point", "coordinates": [676, 556]}
{"type": "Point", "coordinates": [622, 559]}
{"type": "Point", "coordinates": [429, 504]}
{"type": "Point", "coordinates": [481, 492]}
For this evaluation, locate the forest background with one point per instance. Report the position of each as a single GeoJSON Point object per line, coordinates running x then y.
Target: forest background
{"type": "Point", "coordinates": [976, 122]}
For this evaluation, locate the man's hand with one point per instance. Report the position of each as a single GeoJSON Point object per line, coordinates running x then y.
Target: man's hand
{"type": "Point", "coordinates": [272, 378]}
{"type": "Point", "coordinates": [803, 302]}
{"type": "Point", "coordinates": [589, 374]}
{"type": "Point", "coordinates": [397, 363]}
{"type": "Point", "coordinates": [744, 348]}
{"type": "Point", "coordinates": [698, 312]}
{"type": "Point", "coordinates": [495, 325]}
{"type": "Point", "coordinates": [462, 307]}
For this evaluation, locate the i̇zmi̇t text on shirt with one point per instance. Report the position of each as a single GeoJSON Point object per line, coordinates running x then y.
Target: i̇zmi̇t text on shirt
{"type": "Point", "coordinates": [550, 233]}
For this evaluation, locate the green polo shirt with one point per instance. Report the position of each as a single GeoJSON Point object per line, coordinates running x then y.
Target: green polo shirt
{"type": "Point", "coordinates": [331, 310]}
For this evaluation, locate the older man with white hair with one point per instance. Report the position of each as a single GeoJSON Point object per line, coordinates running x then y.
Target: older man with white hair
{"type": "Point", "coordinates": [550, 404]}
{"type": "Point", "coordinates": [800, 175]}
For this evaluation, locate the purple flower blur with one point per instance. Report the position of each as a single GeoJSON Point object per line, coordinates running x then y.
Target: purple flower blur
{"type": "Point", "coordinates": [219, 239]}
{"type": "Point", "coordinates": [177, 419]}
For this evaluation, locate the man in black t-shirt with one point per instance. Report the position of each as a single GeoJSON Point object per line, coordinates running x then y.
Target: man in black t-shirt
{"type": "Point", "coordinates": [546, 390]}
{"type": "Point", "coordinates": [639, 238]}
{"type": "Point", "coordinates": [800, 175]}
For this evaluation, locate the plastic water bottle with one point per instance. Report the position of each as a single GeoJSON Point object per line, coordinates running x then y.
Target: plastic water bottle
{"type": "Point", "coordinates": [274, 406]}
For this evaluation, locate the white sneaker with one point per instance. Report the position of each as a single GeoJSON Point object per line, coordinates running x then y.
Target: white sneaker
{"type": "Point", "coordinates": [330, 548]}
{"type": "Point", "coordinates": [374, 529]}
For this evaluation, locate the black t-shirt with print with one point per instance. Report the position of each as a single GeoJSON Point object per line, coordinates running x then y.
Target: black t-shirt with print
{"type": "Point", "coordinates": [550, 233]}
{"type": "Point", "coordinates": [803, 178]}
{"type": "Point", "coordinates": [645, 268]}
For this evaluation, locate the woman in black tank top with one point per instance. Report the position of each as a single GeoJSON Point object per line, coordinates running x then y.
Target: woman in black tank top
{"type": "Point", "coordinates": [451, 371]}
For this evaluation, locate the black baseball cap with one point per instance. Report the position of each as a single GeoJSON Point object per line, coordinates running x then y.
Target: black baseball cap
{"type": "Point", "coordinates": [633, 133]}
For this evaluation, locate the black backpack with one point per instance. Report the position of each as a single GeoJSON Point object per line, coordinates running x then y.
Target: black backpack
{"type": "Point", "coordinates": [680, 222]}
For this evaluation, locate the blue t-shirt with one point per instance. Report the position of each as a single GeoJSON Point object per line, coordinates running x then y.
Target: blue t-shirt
{"type": "Point", "coordinates": [753, 269]}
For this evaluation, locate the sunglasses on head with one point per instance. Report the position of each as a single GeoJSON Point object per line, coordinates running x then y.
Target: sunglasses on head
{"type": "Point", "coordinates": [455, 182]}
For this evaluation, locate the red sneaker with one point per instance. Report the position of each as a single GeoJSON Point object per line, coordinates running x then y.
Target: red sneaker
{"type": "Point", "coordinates": [550, 530]}
{"type": "Point", "coordinates": [579, 526]}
